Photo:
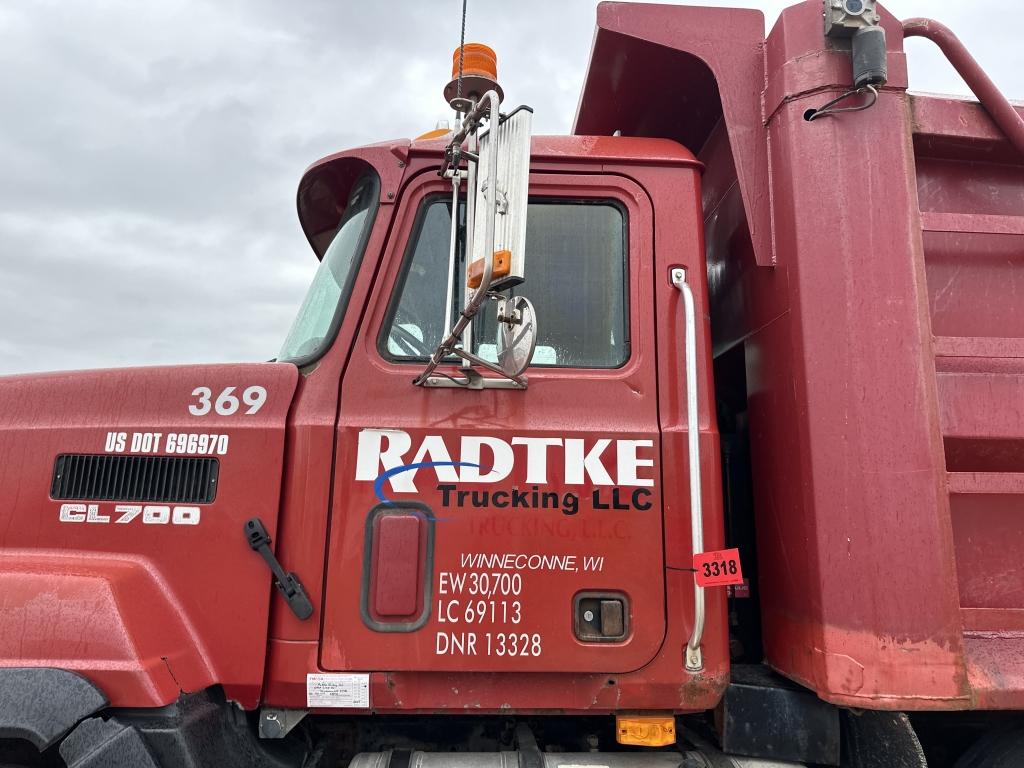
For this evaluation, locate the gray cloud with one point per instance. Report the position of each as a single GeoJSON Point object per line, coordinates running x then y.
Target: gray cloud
{"type": "Point", "coordinates": [150, 151]}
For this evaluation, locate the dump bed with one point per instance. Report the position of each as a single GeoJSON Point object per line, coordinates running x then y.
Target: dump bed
{"type": "Point", "coordinates": [970, 188]}
{"type": "Point", "coordinates": [868, 271]}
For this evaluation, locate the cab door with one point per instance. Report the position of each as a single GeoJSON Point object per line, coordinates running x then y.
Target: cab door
{"type": "Point", "coordinates": [496, 529]}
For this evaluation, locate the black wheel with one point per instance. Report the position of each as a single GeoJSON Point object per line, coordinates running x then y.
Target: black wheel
{"type": "Point", "coordinates": [999, 749]}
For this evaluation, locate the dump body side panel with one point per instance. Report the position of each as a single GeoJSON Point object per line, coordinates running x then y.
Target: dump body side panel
{"type": "Point", "coordinates": [971, 193]}
{"type": "Point", "coordinates": [881, 350]}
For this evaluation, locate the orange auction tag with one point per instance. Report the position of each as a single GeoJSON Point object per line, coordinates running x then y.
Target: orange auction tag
{"type": "Point", "coordinates": [718, 569]}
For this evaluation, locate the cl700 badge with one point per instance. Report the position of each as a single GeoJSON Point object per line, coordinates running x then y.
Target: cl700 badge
{"type": "Point", "coordinates": [150, 514]}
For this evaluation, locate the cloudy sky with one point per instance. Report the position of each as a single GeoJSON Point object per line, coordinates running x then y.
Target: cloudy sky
{"type": "Point", "coordinates": [150, 151]}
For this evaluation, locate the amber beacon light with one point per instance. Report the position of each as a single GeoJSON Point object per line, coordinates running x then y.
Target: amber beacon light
{"type": "Point", "coordinates": [479, 73]}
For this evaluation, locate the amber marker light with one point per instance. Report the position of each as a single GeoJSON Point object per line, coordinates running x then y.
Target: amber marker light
{"type": "Point", "coordinates": [437, 133]}
{"type": "Point", "coordinates": [502, 265]}
{"type": "Point", "coordinates": [645, 730]}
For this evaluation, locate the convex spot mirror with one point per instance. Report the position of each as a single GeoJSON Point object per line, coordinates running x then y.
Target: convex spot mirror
{"type": "Point", "coordinates": [517, 335]}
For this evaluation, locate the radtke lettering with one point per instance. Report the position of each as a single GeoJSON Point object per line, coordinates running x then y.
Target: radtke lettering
{"type": "Point", "coordinates": [620, 472]}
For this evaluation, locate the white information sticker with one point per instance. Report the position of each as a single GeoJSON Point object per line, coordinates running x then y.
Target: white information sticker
{"type": "Point", "coordinates": [350, 691]}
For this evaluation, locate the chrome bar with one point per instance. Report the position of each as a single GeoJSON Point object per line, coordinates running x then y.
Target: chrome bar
{"type": "Point", "coordinates": [694, 657]}
{"type": "Point", "coordinates": [455, 382]}
{"type": "Point", "coordinates": [452, 248]}
{"type": "Point", "coordinates": [472, 173]}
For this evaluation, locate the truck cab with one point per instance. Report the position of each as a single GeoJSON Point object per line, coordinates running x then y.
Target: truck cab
{"type": "Point", "coordinates": [525, 514]}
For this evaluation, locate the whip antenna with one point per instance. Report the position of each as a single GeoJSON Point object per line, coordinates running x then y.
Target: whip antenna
{"type": "Point", "coordinates": [462, 51]}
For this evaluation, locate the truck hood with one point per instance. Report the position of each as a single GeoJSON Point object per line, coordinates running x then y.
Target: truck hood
{"type": "Point", "coordinates": [123, 495]}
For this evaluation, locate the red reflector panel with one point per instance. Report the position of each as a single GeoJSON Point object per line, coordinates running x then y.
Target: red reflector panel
{"type": "Point", "coordinates": [397, 583]}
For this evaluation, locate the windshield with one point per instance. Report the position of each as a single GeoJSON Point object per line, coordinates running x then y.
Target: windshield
{"type": "Point", "coordinates": [325, 302]}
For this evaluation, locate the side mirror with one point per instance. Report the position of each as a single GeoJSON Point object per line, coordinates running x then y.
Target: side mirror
{"type": "Point", "coordinates": [507, 195]}
{"type": "Point", "coordinates": [498, 176]}
{"type": "Point", "coordinates": [517, 335]}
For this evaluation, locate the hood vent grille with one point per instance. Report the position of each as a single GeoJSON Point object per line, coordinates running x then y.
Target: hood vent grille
{"type": "Point", "coordinates": [180, 479]}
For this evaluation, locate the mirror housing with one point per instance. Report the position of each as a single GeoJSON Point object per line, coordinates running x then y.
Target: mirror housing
{"type": "Point", "coordinates": [511, 190]}
{"type": "Point", "coordinates": [498, 176]}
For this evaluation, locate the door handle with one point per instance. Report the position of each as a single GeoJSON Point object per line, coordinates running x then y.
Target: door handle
{"type": "Point", "coordinates": [694, 657]}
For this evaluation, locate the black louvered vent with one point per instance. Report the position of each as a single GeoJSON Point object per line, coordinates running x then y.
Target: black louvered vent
{"type": "Point", "coordinates": [181, 479]}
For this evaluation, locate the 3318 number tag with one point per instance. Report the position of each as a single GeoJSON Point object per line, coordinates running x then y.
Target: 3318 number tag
{"type": "Point", "coordinates": [718, 569]}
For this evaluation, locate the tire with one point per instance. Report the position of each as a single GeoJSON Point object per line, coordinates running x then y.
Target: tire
{"type": "Point", "coordinates": [999, 749]}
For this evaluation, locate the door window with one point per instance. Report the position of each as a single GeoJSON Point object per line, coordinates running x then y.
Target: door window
{"type": "Point", "coordinates": [576, 277]}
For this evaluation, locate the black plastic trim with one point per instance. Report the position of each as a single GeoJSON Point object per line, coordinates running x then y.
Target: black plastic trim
{"type": "Point", "coordinates": [199, 730]}
{"type": "Point", "coordinates": [765, 716]}
{"type": "Point", "coordinates": [42, 704]}
{"type": "Point", "coordinates": [129, 477]}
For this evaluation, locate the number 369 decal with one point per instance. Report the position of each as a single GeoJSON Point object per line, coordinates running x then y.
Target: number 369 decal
{"type": "Point", "coordinates": [227, 403]}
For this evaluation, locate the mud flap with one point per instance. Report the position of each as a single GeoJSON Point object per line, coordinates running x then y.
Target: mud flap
{"type": "Point", "coordinates": [40, 705]}
{"type": "Point", "coordinates": [880, 740]}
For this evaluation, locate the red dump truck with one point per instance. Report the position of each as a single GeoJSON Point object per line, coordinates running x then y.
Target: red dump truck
{"type": "Point", "coordinates": [695, 438]}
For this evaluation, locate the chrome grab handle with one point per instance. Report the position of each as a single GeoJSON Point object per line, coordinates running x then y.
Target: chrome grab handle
{"type": "Point", "coordinates": [694, 658]}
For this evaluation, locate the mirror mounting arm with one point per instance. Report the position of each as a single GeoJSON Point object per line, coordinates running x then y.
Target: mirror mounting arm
{"type": "Point", "coordinates": [471, 358]}
{"type": "Point", "coordinates": [447, 346]}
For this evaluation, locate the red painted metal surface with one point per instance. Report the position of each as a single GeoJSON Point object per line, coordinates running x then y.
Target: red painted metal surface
{"type": "Point", "coordinates": [144, 608]}
{"type": "Point", "coordinates": [885, 461]}
{"type": "Point", "coordinates": [662, 169]}
{"type": "Point", "coordinates": [1002, 112]}
{"type": "Point", "coordinates": [559, 404]}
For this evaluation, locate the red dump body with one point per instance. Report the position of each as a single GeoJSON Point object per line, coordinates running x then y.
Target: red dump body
{"type": "Point", "coordinates": [871, 267]}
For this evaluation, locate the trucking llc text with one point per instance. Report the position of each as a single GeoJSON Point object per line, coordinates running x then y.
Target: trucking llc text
{"type": "Point", "coordinates": [534, 498]}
